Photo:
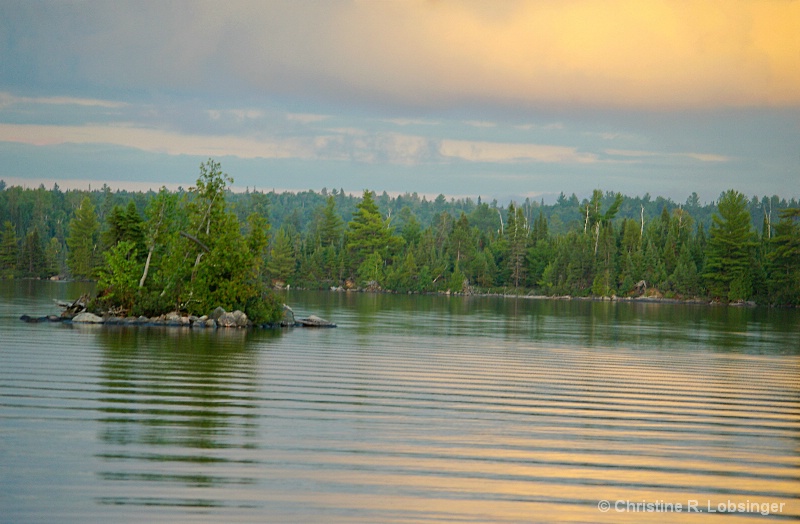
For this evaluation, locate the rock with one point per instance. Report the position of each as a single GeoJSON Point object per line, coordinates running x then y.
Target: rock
{"type": "Point", "coordinates": [211, 323]}
{"type": "Point", "coordinates": [315, 321]}
{"type": "Point", "coordinates": [218, 312]}
{"type": "Point", "coordinates": [241, 318]}
{"type": "Point", "coordinates": [226, 320]}
{"type": "Point", "coordinates": [87, 318]}
{"type": "Point", "coordinates": [142, 320]}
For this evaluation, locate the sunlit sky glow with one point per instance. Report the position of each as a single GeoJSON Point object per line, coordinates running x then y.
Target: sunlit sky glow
{"type": "Point", "coordinates": [498, 99]}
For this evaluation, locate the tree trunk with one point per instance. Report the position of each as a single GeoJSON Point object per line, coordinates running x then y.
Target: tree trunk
{"type": "Point", "coordinates": [146, 266]}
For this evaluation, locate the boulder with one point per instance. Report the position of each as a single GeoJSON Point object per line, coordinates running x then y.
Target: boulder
{"type": "Point", "coordinates": [315, 321]}
{"type": "Point", "coordinates": [173, 316]}
{"type": "Point", "coordinates": [241, 318]}
{"type": "Point", "coordinates": [218, 312]}
{"type": "Point", "coordinates": [87, 318]}
{"type": "Point", "coordinates": [226, 320]}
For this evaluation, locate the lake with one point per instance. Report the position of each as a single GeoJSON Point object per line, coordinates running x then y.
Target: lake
{"type": "Point", "coordinates": [415, 409]}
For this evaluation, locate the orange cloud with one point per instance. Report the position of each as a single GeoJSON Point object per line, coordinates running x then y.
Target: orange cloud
{"type": "Point", "coordinates": [619, 53]}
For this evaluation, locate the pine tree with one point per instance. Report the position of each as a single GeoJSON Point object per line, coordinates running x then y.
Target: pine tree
{"type": "Point", "coordinates": [369, 234]}
{"type": "Point", "coordinates": [461, 243]}
{"type": "Point", "coordinates": [330, 230]}
{"type": "Point", "coordinates": [32, 261]}
{"type": "Point", "coordinates": [516, 236]}
{"type": "Point", "coordinates": [125, 224]}
{"type": "Point", "coordinates": [281, 265]}
{"type": "Point", "coordinates": [784, 259]}
{"type": "Point", "coordinates": [730, 248]}
{"type": "Point", "coordinates": [9, 251]}
{"type": "Point", "coordinates": [54, 257]}
{"type": "Point", "coordinates": [82, 241]}
{"type": "Point", "coordinates": [685, 279]}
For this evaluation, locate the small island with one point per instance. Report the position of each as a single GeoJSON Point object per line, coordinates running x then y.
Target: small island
{"type": "Point", "coordinates": [191, 263]}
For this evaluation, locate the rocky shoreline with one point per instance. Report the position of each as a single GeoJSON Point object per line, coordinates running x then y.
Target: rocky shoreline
{"type": "Point", "coordinates": [76, 313]}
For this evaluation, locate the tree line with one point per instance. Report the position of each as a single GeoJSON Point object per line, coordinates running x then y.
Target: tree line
{"type": "Point", "coordinates": [193, 240]}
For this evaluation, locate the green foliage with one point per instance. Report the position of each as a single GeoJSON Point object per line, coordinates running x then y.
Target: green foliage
{"type": "Point", "coordinates": [730, 249]}
{"type": "Point", "coordinates": [32, 263]}
{"type": "Point", "coordinates": [119, 277]}
{"type": "Point", "coordinates": [282, 260]}
{"type": "Point", "coordinates": [369, 238]}
{"type": "Point", "coordinates": [125, 224]}
{"type": "Point", "coordinates": [82, 241]}
{"type": "Point", "coordinates": [370, 272]}
{"type": "Point", "coordinates": [209, 244]}
{"type": "Point", "coordinates": [54, 257]}
{"type": "Point", "coordinates": [9, 249]}
{"type": "Point", "coordinates": [331, 225]}
{"type": "Point", "coordinates": [197, 253]}
{"type": "Point", "coordinates": [784, 260]}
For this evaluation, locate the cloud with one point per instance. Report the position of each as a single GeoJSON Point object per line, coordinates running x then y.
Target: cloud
{"type": "Point", "coordinates": [480, 123]}
{"type": "Point", "coordinates": [8, 99]}
{"type": "Point", "coordinates": [411, 122]}
{"type": "Point", "coordinates": [306, 118]}
{"type": "Point", "coordinates": [645, 54]}
{"type": "Point", "coordinates": [700, 157]}
{"type": "Point", "coordinates": [478, 151]}
{"type": "Point", "coordinates": [237, 115]}
{"type": "Point", "coordinates": [158, 140]}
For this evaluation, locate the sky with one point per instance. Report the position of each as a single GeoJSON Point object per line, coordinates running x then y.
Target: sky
{"type": "Point", "coordinates": [505, 100]}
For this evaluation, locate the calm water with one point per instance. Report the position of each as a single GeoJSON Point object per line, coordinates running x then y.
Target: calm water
{"type": "Point", "coordinates": [416, 409]}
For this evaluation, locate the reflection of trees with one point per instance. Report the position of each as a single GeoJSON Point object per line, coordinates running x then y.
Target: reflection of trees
{"type": "Point", "coordinates": [176, 401]}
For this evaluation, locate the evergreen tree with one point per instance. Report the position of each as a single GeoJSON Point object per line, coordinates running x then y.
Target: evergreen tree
{"type": "Point", "coordinates": [32, 263]}
{"type": "Point", "coordinates": [729, 250]}
{"type": "Point", "coordinates": [784, 260]}
{"type": "Point", "coordinates": [257, 243]}
{"type": "Point", "coordinates": [404, 275]}
{"type": "Point", "coordinates": [370, 272]}
{"type": "Point", "coordinates": [605, 270]}
{"type": "Point", "coordinates": [369, 234]}
{"type": "Point", "coordinates": [125, 224]}
{"type": "Point", "coordinates": [9, 251]}
{"type": "Point", "coordinates": [461, 246]}
{"type": "Point", "coordinates": [685, 279]}
{"type": "Point", "coordinates": [282, 260]}
{"type": "Point", "coordinates": [54, 257]}
{"type": "Point", "coordinates": [160, 226]}
{"type": "Point", "coordinates": [119, 278]}
{"type": "Point", "coordinates": [82, 241]}
{"type": "Point", "coordinates": [516, 237]}
{"type": "Point", "coordinates": [330, 231]}
{"type": "Point", "coordinates": [541, 251]}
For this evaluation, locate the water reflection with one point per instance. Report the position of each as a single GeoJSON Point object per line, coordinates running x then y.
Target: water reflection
{"type": "Point", "coordinates": [172, 402]}
{"type": "Point", "coordinates": [670, 327]}
{"type": "Point", "coordinates": [416, 409]}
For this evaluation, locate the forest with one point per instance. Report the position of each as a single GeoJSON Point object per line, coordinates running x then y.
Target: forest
{"type": "Point", "coordinates": [196, 248]}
